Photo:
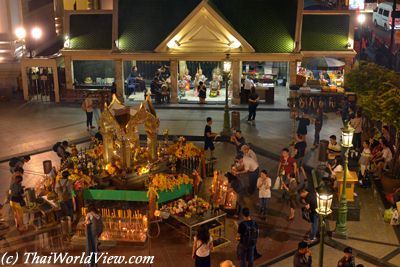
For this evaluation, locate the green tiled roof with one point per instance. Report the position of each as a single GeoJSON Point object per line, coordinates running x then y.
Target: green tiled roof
{"type": "Point", "coordinates": [267, 25]}
{"type": "Point", "coordinates": [143, 25]}
{"type": "Point", "coordinates": [325, 33]}
{"type": "Point", "coordinates": [92, 31]}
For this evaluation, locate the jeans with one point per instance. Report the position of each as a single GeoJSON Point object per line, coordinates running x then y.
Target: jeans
{"type": "Point", "coordinates": [253, 176]}
{"type": "Point", "coordinates": [252, 112]}
{"type": "Point", "coordinates": [89, 119]}
{"type": "Point", "coordinates": [67, 208]}
{"type": "Point", "coordinates": [246, 255]}
{"type": "Point", "coordinates": [263, 205]}
{"type": "Point", "coordinates": [314, 225]}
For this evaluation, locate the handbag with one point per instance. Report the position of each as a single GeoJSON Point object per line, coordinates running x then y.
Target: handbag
{"type": "Point", "coordinates": [305, 214]}
{"type": "Point", "coordinates": [278, 183]}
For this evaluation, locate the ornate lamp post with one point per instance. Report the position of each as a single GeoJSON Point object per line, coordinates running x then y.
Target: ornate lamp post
{"type": "Point", "coordinates": [347, 142]}
{"type": "Point", "coordinates": [227, 65]}
{"type": "Point", "coordinates": [324, 202]}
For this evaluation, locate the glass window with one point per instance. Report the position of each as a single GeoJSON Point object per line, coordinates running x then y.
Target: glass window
{"type": "Point", "coordinates": [380, 11]}
{"type": "Point", "coordinates": [385, 13]}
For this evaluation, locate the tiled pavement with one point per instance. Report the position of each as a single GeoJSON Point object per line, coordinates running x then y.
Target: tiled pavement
{"type": "Point", "coordinates": [33, 127]}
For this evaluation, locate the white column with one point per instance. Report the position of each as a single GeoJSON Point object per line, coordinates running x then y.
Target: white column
{"type": "Point", "coordinates": [236, 79]}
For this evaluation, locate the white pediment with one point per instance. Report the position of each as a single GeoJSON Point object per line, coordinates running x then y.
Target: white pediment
{"type": "Point", "coordinates": [204, 30]}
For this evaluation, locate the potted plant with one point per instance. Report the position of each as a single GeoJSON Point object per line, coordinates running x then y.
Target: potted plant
{"type": "Point", "coordinates": [378, 94]}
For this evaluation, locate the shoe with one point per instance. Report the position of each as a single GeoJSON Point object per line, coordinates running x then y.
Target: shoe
{"type": "Point", "coordinates": [291, 218]}
{"type": "Point", "coordinates": [213, 158]}
{"type": "Point", "coordinates": [310, 241]}
{"type": "Point", "coordinates": [88, 129]}
{"type": "Point", "coordinates": [257, 256]}
{"type": "Point", "coordinates": [92, 127]}
{"type": "Point", "coordinates": [249, 121]}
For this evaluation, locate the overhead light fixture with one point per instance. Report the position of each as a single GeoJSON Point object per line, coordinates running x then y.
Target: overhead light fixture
{"type": "Point", "coordinates": [36, 33]}
{"type": "Point", "coordinates": [173, 44]}
{"type": "Point", "coordinates": [234, 44]}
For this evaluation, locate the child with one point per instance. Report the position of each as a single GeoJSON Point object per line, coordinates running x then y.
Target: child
{"type": "Point", "coordinates": [264, 187]}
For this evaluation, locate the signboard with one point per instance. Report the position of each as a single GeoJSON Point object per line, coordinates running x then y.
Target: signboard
{"type": "Point", "coordinates": [356, 4]}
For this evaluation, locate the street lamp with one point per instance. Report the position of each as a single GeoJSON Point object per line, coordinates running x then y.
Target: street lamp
{"type": "Point", "coordinates": [227, 66]}
{"type": "Point", "coordinates": [347, 142]}
{"type": "Point", "coordinates": [361, 19]}
{"type": "Point", "coordinates": [324, 203]}
{"type": "Point", "coordinates": [35, 34]}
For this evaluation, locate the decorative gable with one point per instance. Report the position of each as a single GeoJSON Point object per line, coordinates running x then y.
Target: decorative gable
{"type": "Point", "coordinates": [204, 30]}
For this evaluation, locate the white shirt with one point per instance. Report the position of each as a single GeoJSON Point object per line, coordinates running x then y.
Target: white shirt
{"type": "Point", "coordinates": [248, 83]}
{"type": "Point", "coordinates": [249, 164]}
{"type": "Point", "coordinates": [264, 187]}
{"type": "Point", "coordinates": [387, 154]}
{"type": "Point", "coordinates": [203, 250]}
{"type": "Point", "coordinates": [252, 155]}
{"type": "Point", "coordinates": [357, 124]}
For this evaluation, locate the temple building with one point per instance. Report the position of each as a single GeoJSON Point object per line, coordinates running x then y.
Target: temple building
{"type": "Point", "coordinates": [125, 43]}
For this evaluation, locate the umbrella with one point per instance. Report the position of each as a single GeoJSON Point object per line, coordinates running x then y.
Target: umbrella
{"type": "Point", "coordinates": [321, 63]}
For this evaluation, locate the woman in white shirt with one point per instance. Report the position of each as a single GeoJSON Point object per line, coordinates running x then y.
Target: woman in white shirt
{"type": "Point", "coordinates": [264, 191]}
{"type": "Point", "coordinates": [202, 246]}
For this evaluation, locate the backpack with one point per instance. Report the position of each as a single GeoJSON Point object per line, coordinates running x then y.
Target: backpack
{"type": "Point", "coordinates": [55, 146]}
{"type": "Point", "coordinates": [250, 235]}
{"type": "Point", "coordinates": [65, 193]}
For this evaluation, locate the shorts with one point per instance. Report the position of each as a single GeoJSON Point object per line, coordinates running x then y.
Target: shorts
{"type": "Point", "coordinates": [209, 145]}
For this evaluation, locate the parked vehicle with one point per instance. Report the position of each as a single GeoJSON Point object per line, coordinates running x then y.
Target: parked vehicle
{"type": "Point", "coordinates": [382, 16]}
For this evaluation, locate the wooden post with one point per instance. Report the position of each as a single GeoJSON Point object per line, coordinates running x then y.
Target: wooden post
{"type": "Point", "coordinates": [68, 72]}
{"type": "Point", "coordinates": [236, 81]}
{"type": "Point", "coordinates": [152, 204]}
{"type": "Point", "coordinates": [174, 81]}
{"type": "Point", "coordinates": [119, 80]}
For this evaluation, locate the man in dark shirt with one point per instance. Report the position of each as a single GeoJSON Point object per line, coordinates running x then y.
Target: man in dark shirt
{"type": "Point", "coordinates": [310, 200]}
{"type": "Point", "coordinates": [302, 257]}
{"type": "Point", "coordinates": [209, 137]}
{"type": "Point", "coordinates": [299, 152]}
{"type": "Point", "coordinates": [238, 140]}
{"type": "Point", "coordinates": [247, 235]}
{"type": "Point", "coordinates": [304, 121]}
{"type": "Point", "coordinates": [319, 117]}
{"type": "Point", "coordinates": [348, 258]}
{"type": "Point", "coordinates": [155, 89]}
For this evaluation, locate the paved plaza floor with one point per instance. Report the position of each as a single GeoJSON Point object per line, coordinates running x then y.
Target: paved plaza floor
{"type": "Point", "coordinates": [34, 128]}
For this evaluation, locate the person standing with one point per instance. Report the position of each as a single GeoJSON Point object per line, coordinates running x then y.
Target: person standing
{"type": "Point", "coordinates": [64, 191]}
{"type": "Point", "coordinates": [348, 258]}
{"type": "Point", "coordinates": [201, 89]}
{"type": "Point", "coordinates": [310, 201]}
{"type": "Point", "coordinates": [248, 84]}
{"type": "Point", "coordinates": [319, 118]}
{"type": "Point", "coordinates": [87, 106]}
{"type": "Point", "coordinates": [304, 121]}
{"type": "Point", "coordinates": [247, 235]}
{"type": "Point", "coordinates": [286, 166]}
{"type": "Point", "coordinates": [291, 189]}
{"type": "Point", "coordinates": [94, 229]}
{"type": "Point", "coordinates": [237, 186]}
{"type": "Point", "coordinates": [17, 202]}
{"type": "Point", "coordinates": [365, 159]}
{"type": "Point", "coordinates": [209, 136]}
{"type": "Point", "coordinates": [299, 152]}
{"type": "Point", "coordinates": [202, 246]}
{"type": "Point", "coordinates": [302, 257]}
{"type": "Point", "coordinates": [253, 104]}
{"type": "Point", "coordinates": [264, 191]}
{"type": "Point", "coordinates": [249, 166]}
{"type": "Point", "coordinates": [356, 123]}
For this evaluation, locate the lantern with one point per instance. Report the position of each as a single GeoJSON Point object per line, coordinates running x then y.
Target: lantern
{"type": "Point", "coordinates": [347, 135]}
{"type": "Point", "coordinates": [227, 64]}
{"type": "Point", "coordinates": [324, 202]}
